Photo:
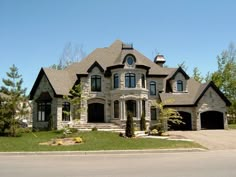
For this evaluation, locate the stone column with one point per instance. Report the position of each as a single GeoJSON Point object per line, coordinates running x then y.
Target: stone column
{"type": "Point", "coordinates": [138, 110]}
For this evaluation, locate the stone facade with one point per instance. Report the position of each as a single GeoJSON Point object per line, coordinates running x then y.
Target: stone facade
{"type": "Point", "coordinates": [131, 83]}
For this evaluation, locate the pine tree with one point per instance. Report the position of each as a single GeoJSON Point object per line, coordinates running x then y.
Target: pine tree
{"type": "Point", "coordinates": [12, 106]}
{"type": "Point", "coordinates": [143, 122]}
{"type": "Point", "coordinates": [129, 131]}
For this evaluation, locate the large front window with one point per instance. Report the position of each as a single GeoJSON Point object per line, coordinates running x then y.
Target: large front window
{"type": "Point", "coordinates": [130, 81]}
{"type": "Point", "coordinates": [116, 81]}
{"type": "Point", "coordinates": [96, 83]}
{"type": "Point", "coordinates": [66, 111]}
{"type": "Point", "coordinates": [116, 109]}
{"type": "Point", "coordinates": [152, 88]}
{"type": "Point", "coordinates": [131, 107]}
{"type": "Point", "coordinates": [44, 111]}
{"type": "Point", "coordinates": [180, 86]}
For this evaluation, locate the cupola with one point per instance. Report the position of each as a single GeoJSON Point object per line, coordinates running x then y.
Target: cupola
{"type": "Point", "coordinates": [160, 60]}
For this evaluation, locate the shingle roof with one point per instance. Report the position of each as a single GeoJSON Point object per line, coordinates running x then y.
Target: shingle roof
{"type": "Point", "coordinates": [62, 81]}
{"type": "Point", "coordinates": [195, 91]}
{"type": "Point", "coordinates": [182, 98]}
{"type": "Point", "coordinates": [114, 55]}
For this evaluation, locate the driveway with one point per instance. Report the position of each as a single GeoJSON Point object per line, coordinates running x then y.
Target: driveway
{"type": "Point", "coordinates": [211, 139]}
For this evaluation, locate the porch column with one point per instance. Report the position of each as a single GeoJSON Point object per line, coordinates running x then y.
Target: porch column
{"type": "Point", "coordinates": [139, 108]}
{"type": "Point", "coordinates": [121, 110]}
{"type": "Point", "coordinates": [124, 110]}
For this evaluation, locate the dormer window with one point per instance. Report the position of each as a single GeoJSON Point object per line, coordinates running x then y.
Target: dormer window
{"type": "Point", "coordinates": [130, 60]}
{"type": "Point", "coordinates": [180, 87]}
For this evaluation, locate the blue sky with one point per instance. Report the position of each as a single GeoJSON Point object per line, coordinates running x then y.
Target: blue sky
{"type": "Point", "coordinates": [33, 33]}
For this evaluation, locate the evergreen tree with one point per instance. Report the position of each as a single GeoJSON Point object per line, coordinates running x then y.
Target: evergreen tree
{"type": "Point", "coordinates": [143, 122]}
{"type": "Point", "coordinates": [129, 130]}
{"type": "Point", "coordinates": [13, 104]}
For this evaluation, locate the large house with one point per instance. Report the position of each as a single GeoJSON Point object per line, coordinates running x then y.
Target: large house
{"type": "Point", "coordinates": [118, 79]}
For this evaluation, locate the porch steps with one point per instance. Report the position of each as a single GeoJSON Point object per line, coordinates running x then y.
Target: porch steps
{"type": "Point", "coordinates": [99, 126]}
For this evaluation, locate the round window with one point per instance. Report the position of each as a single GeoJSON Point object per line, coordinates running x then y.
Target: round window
{"type": "Point", "coordinates": [130, 60]}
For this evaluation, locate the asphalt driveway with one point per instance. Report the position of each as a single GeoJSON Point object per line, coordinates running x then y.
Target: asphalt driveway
{"type": "Point", "coordinates": [211, 139]}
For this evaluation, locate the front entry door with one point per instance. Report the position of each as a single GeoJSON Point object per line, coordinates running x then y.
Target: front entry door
{"type": "Point", "coordinates": [96, 112]}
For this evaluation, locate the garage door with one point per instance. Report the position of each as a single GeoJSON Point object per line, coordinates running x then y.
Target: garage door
{"type": "Point", "coordinates": [186, 118]}
{"type": "Point", "coordinates": [212, 120]}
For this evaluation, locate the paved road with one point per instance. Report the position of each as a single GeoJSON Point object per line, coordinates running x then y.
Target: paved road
{"type": "Point", "coordinates": [212, 139]}
{"type": "Point", "coordinates": [184, 164]}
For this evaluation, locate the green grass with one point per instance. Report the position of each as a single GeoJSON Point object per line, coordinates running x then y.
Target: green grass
{"type": "Point", "coordinates": [232, 126]}
{"type": "Point", "coordinates": [96, 140]}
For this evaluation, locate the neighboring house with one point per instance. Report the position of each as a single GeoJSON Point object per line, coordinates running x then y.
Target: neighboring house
{"type": "Point", "coordinates": [119, 79]}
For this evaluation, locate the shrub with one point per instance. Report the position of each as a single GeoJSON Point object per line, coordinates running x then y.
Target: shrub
{"type": "Point", "coordinates": [78, 140]}
{"type": "Point", "coordinates": [94, 129]}
{"type": "Point", "coordinates": [143, 122]}
{"type": "Point", "coordinates": [73, 130]}
{"type": "Point", "coordinates": [129, 130]}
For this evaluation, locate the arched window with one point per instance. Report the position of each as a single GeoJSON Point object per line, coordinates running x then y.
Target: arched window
{"type": "Point", "coordinates": [130, 81]}
{"type": "Point", "coordinates": [116, 109]}
{"type": "Point", "coordinates": [152, 88]}
{"type": "Point", "coordinates": [66, 111]}
{"type": "Point", "coordinates": [180, 86]}
{"type": "Point", "coordinates": [116, 80]}
{"type": "Point", "coordinates": [96, 83]}
{"type": "Point", "coordinates": [143, 81]}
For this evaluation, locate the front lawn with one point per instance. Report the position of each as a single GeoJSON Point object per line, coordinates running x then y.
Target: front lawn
{"type": "Point", "coordinates": [93, 140]}
{"type": "Point", "coordinates": [232, 126]}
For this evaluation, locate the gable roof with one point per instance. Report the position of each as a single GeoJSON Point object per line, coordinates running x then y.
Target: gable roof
{"type": "Point", "coordinates": [59, 80]}
{"type": "Point", "coordinates": [204, 87]}
{"type": "Point", "coordinates": [195, 92]}
{"type": "Point", "coordinates": [175, 72]}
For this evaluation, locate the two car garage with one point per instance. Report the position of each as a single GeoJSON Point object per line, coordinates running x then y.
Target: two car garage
{"type": "Point", "coordinates": [208, 120]}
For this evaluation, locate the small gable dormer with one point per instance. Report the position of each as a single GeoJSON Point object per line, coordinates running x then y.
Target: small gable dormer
{"type": "Point", "coordinates": [177, 82]}
{"type": "Point", "coordinates": [129, 61]}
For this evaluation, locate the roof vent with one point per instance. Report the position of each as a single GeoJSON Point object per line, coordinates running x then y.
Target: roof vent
{"type": "Point", "coordinates": [160, 60]}
{"type": "Point", "coordinates": [127, 46]}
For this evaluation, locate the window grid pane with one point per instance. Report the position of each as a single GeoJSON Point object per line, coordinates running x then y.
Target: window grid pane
{"type": "Point", "coordinates": [179, 86]}
{"type": "Point", "coordinates": [116, 81]}
{"type": "Point", "coordinates": [96, 83]}
{"type": "Point", "coordinates": [152, 88]}
{"type": "Point", "coordinates": [130, 81]}
{"type": "Point", "coordinates": [66, 111]}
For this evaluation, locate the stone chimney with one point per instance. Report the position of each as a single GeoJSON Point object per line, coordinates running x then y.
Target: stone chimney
{"type": "Point", "coordinates": [160, 60]}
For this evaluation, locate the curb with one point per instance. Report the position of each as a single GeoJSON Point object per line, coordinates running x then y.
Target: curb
{"type": "Point", "coordinates": [102, 152]}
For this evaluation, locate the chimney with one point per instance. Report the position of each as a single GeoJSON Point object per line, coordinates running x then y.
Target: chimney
{"type": "Point", "coordinates": [160, 60]}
